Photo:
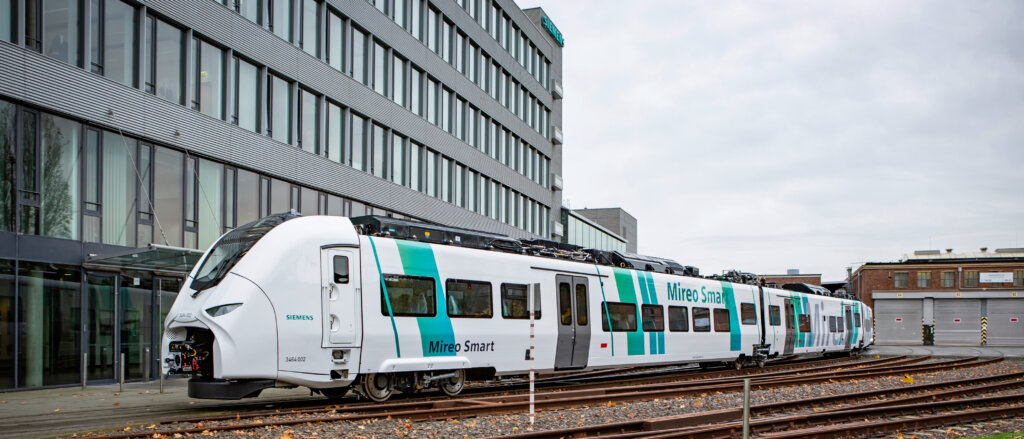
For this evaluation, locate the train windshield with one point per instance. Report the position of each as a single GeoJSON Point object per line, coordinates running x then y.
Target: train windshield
{"type": "Point", "coordinates": [232, 247]}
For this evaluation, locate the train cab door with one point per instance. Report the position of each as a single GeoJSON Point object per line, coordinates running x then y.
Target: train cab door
{"type": "Point", "coordinates": [790, 327]}
{"type": "Point", "coordinates": [339, 268]}
{"type": "Point", "coordinates": [848, 321]}
{"type": "Point", "coordinates": [573, 322]}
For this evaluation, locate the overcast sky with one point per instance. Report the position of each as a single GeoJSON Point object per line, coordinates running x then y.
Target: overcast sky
{"type": "Point", "coordinates": [815, 135]}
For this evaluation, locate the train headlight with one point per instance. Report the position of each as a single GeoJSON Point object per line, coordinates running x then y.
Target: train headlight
{"type": "Point", "coordinates": [220, 310]}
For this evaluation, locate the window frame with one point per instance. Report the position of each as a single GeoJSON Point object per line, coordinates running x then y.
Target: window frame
{"type": "Point", "coordinates": [706, 312]}
{"type": "Point", "coordinates": [607, 314]}
{"type": "Point", "coordinates": [686, 319]}
{"type": "Point", "coordinates": [505, 287]}
{"type": "Point", "coordinates": [774, 315]}
{"type": "Point", "coordinates": [722, 315]}
{"type": "Point", "coordinates": [432, 298]}
{"type": "Point", "coordinates": [924, 279]}
{"type": "Point", "coordinates": [804, 323]}
{"type": "Point", "coordinates": [448, 303]}
{"type": "Point", "coordinates": [750, 308]}
{"type": "Point", "coordinates": [899, 276]}
{"type": "Point", "coordinates": [657, 319]}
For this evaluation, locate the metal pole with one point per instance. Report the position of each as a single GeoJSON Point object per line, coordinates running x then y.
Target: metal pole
{"type": "Point", "coordinates": [120, 385]}
{"type": "Point", "coordinates": [161, 372]}
{"type": "Point", "coordinates": [530, 306]}
{"type": "Point", "coordinates": [145, 361]}
{"type": "Point", "coordinates": [746, 408]}
{"type": "Point", "coordinates": [85, 369]}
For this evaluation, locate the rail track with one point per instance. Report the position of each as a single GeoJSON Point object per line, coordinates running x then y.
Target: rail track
{"type": "Point", "coordinates": [618, 390]}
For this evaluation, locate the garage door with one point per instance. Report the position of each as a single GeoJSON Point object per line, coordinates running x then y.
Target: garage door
{"type": "Point", "coordinates": [1005, 322]}
{"type": "Point", "coordinates": [898, 322]}
{"type": "Point", "coordinates": [957, 322]}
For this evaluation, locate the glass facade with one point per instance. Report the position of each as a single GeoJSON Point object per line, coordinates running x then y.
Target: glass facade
{"type": "Point", "coordinates": [579, 231]}
{"type": "Point", "coordinates": [66, 177]}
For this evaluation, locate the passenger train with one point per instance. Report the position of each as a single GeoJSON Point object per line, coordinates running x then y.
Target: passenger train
{"type": "Point", "coordinates": [377, 305]}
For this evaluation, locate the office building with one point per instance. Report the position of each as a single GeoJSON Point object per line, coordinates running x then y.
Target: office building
{"type": "Point", "coordinates": [133, 134]}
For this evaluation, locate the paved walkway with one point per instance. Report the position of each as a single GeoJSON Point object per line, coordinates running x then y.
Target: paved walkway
{"type": "Point", "coordinates": [55, 412]}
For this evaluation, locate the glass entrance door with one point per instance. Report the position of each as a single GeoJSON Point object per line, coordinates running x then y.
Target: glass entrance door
{"type": "Point", "coordinates": [136, 313]}
{"type": "Point", "coordinates": [101, 301]}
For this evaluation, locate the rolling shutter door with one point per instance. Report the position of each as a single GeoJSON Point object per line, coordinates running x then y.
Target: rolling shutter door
{"type": "Point", "coordinates": [958, 322]}
{"type": "Point", "coordinates": [1005, 322]}
{"type": "Point", "coordinates": [898, 322]}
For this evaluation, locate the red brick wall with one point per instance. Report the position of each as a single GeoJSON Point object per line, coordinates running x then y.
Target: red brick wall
{"type": "Point", "coordinates": [871, 278]}
{"type": "Point", "coordinates": [780, 280]}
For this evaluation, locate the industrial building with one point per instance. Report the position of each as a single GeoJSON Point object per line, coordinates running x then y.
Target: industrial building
{"type": "Point", "coordinates": [134, 133]}
{"type": "Point", "coordinates": [946, 298]}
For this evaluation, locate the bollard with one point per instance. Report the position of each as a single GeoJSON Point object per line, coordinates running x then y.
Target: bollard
{"type": "Point", "coordinates": [746, 408]}
{"type": "Point", "coordinates": [85, 369]}
{"type": "Point", "coordinates": [161, 372]}
{"type": "Point", "coordinates": [146, 363]}
{"type": "Point", "coordinates": [120, 385]}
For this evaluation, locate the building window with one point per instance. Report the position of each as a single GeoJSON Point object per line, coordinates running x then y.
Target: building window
{"type": "Point", "coordinates": [335, 132]}
{"type": "Point", "coordinates": [247, 95]}
{"type": "Point", "coordinates": [250, 9]}
{"type": "Point", "coordinates": [281, 18]}
{"type": "Point", "coordinates": [380, 69]}
{"type": "Point", "coordinates": [1018, 278]}
{"type": "Point", "coordinates": [208, 96]}
{"type": "Point", "coordinates": [6, 34]}
{"type": "Point", "coordinates": [309, 121]}
{"type": "Point", "coordinates": [971, 279]}
{"type": "Point", "coordinates": [164, 60]}
{"type": "Point", "coordinates": [379, 159]}
{"type": "Point", "coordinates": [49, 350]}
{"type": "Point", "coordinates": [311, 27]}
{"type": "Point", "coordinates": [335, 41]}
{"type": "Point", "coordinates": [924, 279]}
{"type": "Point", "coordinates": [359, 57]}
{"type": "Point", "coordinates": [900, 279]}
{"type": "Point", "coordinates": [279, 109]}
{"type": "Point", "coordinates": [397, 152]}
{"type": "Point", "coordinates": [53, 28]}
{"type": "Point", "coordinates": [358, 143]}
{"type": "Point", "coordinates": [398, 80]}
{"type": "Point", "coordinates": [114, 41]}
{"type": "Point", "coordinates": [948, 279]}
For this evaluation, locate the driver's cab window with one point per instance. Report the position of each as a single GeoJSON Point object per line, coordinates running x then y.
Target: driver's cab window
{"type": "Point", "coordinates": [341, 269]}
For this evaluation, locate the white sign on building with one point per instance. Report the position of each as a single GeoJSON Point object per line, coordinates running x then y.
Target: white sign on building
{"type": "Point", "coordinates": [996, 278]}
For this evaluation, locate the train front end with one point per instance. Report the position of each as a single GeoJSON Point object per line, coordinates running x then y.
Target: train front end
{"type": "Point", "coordinates": [249, 315]}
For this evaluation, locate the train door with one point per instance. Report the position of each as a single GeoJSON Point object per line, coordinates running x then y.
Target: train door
{"type": "Point", "coordinates": [573, 323]}
{"type": "Point", "coordinates": [848, 321]}
{"type": "Point", "coordinates": [340, 296]}
{"type": "Point", "coordinates": [790, 328]}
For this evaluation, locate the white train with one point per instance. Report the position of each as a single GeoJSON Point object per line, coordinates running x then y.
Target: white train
{"type": "Point", "coordinates": [308, 301]}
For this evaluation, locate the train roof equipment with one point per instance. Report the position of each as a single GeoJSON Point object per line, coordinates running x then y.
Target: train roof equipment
{"type": "Point", "coordinates": [408, 229]}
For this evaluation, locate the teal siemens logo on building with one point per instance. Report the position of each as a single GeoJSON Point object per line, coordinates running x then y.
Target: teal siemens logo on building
{"type": "Point", "coordinates": [298, 317]}
{"type": "Point", "coordinates": [553, 30]}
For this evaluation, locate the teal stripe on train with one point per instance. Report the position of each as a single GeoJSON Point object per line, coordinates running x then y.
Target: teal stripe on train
{"type": "Point", "coordinates": [734, 316]}
{"type": "Point", "coordinates": [436, 333]}
{"type": "Point", "coordinates": [627, 294]}
{"type": "Point", "coordinates": [654, 301]}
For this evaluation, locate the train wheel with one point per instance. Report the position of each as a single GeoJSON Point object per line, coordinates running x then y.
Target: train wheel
{"type": "Point", "coordinates": [452, 386]}
{"type": "Point", "coordinates": [377, 387]}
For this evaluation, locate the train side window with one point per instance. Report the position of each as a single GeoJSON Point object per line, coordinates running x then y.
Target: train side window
{"type": "Point", "coordinates": [856, 320]}
{"type": "Point", "coordinates": [581, 305]}
{"type": "Point", "coordinates": [565, 303]}
{"type": "Point", "coordinates": [774, 315]}
{"type": "Point", "coordinates": [341, 269]}
{"type": "Point", "coordinates": [805, 323]}
{"type": "Point", "coordinates": [701, 320]}
{"type": "Point", "coordinates": [469, 298]}
{"type": "Point", "coordinates": [839, 324]}
{"type": "Point", "coordinates": [622, 316]}
{"type": "Point", "coordinates": [678, 321]}
{"type": "Point", "coordinates": [410, 296]}
{"type": "Point", "coordinates": [722, 320]}
{"type": "Point", "coordinates": [832, 324]}
{"type": "Point", "coordinates": [748, 315]}
{"type": "Point", "coordinates": [653, 318]}
{"type": "Point", "coordinates": [513, 302]}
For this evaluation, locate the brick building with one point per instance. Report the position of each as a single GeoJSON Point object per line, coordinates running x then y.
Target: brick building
{"type": "Point", "coordinates": [961, 299]}
{"type": "Point", "coordinates": [778, 280]}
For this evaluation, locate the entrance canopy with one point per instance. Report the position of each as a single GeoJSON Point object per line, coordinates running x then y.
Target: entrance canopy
{"type": "Point", "coordinates": [153, 257]}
